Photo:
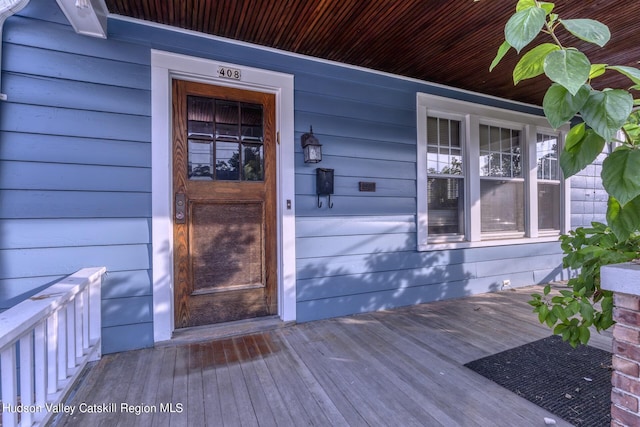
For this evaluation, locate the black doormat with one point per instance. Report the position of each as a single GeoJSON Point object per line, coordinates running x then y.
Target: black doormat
{"type": "Point", "coordinates": [574, 384]}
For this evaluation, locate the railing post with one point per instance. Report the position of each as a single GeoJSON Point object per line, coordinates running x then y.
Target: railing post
{"type": "Point", "coordinates": [9, 386]}
{"type": "Point", "coordinates": [71, 336]}
{"type": "Point", "coordinates": [52, 353]}
{"type": "Point", "coordinates": [85, 321]}
{"type": "Point", "coordinates": [26, 377]}
{"type": "Point", "coordinates": [62, 345]}
{"type": "Point", "coordinates": [40, 364]}
{"type": "Point", "coordinates": [95, 313]}
{"type": "Point", "coordinates": [79, 326]}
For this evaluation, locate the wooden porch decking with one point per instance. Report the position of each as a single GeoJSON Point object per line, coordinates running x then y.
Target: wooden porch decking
{"type": "Point", "coordinates": [400, 367]}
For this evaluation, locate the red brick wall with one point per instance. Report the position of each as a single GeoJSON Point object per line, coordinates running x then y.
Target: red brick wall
{"type": "Point", "coordinates": [626, 361]}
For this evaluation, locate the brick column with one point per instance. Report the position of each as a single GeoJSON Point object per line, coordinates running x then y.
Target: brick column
{"type": "Point", "coordinates": [624, 280]}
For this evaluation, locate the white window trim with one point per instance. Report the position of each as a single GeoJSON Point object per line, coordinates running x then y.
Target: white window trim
{"type": "Point", "coordinates": [472, 116]}
{"type": "Point", "coordinates": [164, 67]}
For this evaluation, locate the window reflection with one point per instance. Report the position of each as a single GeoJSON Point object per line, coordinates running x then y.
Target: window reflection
{"type": "Point", "coordinates": [200, 155]}
{"type": "Point", "coordinates": [500, 153]}
{"type": "Point", "coordinates": [444, 152]}
{"type": "Point", "coordinates": [225, 140]}
{"type": "Point", "coordinates": [501, 206]}
{"type": "Point", "coordinates": [549, 191]}
{"type": "Point", "coordinates": [445, 201]}
{"type": "Point", "coordinates": [252, 166]}
{"type": "Point", "coordinates": [227, 161]}
{"type": "Point", "coordinates": [445, 185]}
{"type": "Point", "coordinates": [547, 157]}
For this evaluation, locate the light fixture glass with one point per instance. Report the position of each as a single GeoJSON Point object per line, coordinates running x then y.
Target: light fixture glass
{"type": "Point", "coordinates": [311, 147]}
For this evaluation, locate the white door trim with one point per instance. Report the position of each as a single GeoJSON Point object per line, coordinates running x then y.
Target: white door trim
{"type": "Point", "coordinates": [164, 67]}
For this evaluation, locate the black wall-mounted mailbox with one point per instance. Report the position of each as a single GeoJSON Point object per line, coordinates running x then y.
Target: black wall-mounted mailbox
{"type": "Point", "coordinates": [324, 181]}
{"type": "Point", "coordinates": [324, 184]}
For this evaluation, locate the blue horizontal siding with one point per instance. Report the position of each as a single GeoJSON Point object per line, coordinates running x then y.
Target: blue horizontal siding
{"type": "Point", "coordinates": [127, 301]}
{"type": "Point", "coordinates": [515, 265]}
{"type": "Point", "coordinates": [358, 167]}
{"type": "Point", "coordinates": [75, 185]}
{"type": "Point", "coordinates": [125, 284]}
{"type": "Point", "coordinates": [359, 148]}
{"type": "Point", "coordinates": [42, 10]}
{"type": "Point", "coordinates": [127, 337]}
{"type": "Point", "coordinates": [346, 127]}
{"type": "Point", "coordinates": [73, 204]}
{"type": "Point", "coordinates": [52, 92]}
{"type": "Point", "coordinates": [390, 261]}
{"type": "Point", "coordinates": [67, 232]}
{"type": "Point", "coordinates": [351, 245]}
{"type": "Point", "coordinates": [57, 35]}
{"type": "Point", "coordinates": [307, 206]}
{"type": "Point", "coordinates": [506, 251]}
{"type": "Point", "coordinates": [353, 264]}
{"type": "Point", "coordinates": [343, 226]}
{"type": "Point", "coordinates": [56, 176]}
{"type": "Point", "coordinates": [349, 186]}
{"type": "Point", "coordinates": [334, 278]}
{"type": "Point", "coordinates": [340, 86]}
{"type": "Point", "coordinates": [13, 291]}
{"type": "Point", "coordinates": [550, 275]}
{"type": "Point", "coordinates": [127, 311]}
{"type": "Point", "coordinates": [398, 297]}
{"type": "Point", "coordinates": [62, 65]}
{"type": "Point", "coordinates": [76, 123]}
{"type": "Point", "coordinates": [17, 263]}
{"type": "Point", "coordinates": [374, 282]}
{"type": "Point", "coordinates": [31, 147]}
{"type": "Point", "coordinates": [354, 108]}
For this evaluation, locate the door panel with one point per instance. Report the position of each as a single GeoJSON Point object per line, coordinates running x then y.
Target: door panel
{"type": "Point", "coordinates": [227, 241]}
{"type": "Point", "coordinates": [224, 178]}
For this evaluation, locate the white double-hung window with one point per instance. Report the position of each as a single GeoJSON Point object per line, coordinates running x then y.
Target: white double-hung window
{"type": "Point", "coordinates": [486, 176]}
{"type": "Point", "coordinates": [549, 182]}
{"type": "Point", "coordinates": [445, 176]}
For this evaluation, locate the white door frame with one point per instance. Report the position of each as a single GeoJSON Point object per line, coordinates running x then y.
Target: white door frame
{"type": "Point", "coordinates": [164, 67]}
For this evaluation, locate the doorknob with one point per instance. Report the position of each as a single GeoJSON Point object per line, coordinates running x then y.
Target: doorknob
{"type": "Point", "coordinates": [180, 209]}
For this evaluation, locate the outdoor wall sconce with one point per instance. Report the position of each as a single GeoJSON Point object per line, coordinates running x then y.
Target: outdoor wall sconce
{"type": "Point", "coordinates": [324, 185]}
{"type": "Point", "coordinates": [311, 147]}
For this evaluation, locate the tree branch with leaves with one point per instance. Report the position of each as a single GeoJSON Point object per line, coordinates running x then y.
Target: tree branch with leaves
{"type": "Point", "coordinates": [599, 116]}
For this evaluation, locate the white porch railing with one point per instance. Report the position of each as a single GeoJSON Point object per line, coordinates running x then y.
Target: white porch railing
{"type": "Point", "coordinates": [55, 332]}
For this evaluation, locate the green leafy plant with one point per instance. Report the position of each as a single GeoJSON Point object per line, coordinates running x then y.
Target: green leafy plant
{"type": "Point", "coordinates": [585, 304]}
{"type": "Point", "coordinates": [602, 116]}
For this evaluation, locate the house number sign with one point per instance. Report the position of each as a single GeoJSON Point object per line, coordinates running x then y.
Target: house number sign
{"type": "Point", "coordinates": [229, 73]}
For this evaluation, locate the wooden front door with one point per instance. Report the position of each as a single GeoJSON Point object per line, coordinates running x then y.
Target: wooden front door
{"type": "Point", "coordinates": [224, 183]}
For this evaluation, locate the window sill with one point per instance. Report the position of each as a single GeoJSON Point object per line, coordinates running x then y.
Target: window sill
{"type": "Point", "coordinates": [440, 246]}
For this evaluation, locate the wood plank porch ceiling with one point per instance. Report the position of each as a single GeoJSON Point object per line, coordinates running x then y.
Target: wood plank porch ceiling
{"type": "Point", "coordinates": [450, 42]}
